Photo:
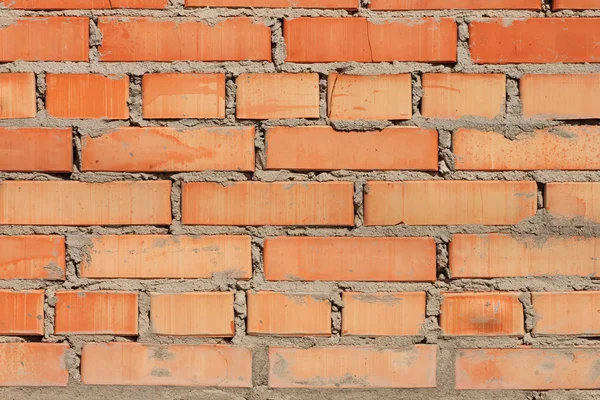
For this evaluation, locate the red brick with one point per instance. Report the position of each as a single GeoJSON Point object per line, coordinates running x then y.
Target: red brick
{"type": "Point", "coordinates": [575, 4]}
{"type": "Point", "coordinates": [22, 313]}
{"type": "Point", "coordinates": [32, 257]}
{"type": "Point", "coordinates": [496, 256]}
{"type": "Point", "coordinates": [81, 4]}
{"type": "Point", "coordinates": [455, 96]}
{"type": "Point", "coordinates": [87, 96]}
{"type": "Point", "coordinates": [36, 149]}
{"type": "Point", "coordinates": [259, 203]}
{"type": "Point", "coordinates": [167, 256]}
{"type": "Point", "coordinates": [482, 314]}
{"type": "Point", "coordinates": [383, 314]}
{"type": "Point", "coordinates": [449, 202]}
{"type": "Point", "coordinates": [564, 147]}
{"type": "Point", "coordinates": [571, 313]}
{"type": "Point", "coordinates": [264, 96]}
{"type": "Point", "coordinates": [322, 148]}
{"type": "Point", "coordinates": [344, 4]}
{"type": "Point", "coordinates": [17, 95]}
{"type": "Point", "coordinates": [175, 96]}
{"type": "Point", "coordinates": [579, 200]}
{"type": "Point", "coordinates": [33, 364]}
{"type": "Point", "coordinates": [161, 365]}
{"type": "Point", "coordinates": [527, 369]}
{"type": "Point", "coordinates": [374, 97]}
{"type": "Point", "coordinates": [391, 5]}
{"type": "Point", "coordinates": [534, 40]}
{"type": "Point", "coordinates": [162, 149]}
{"type": "Point", "coordinates": [324, 39]}
{"type": "Point", "coordinates": [394, 259]}
{"type": "Point", "coordinates": [45, 39]}
{"type": "Point", "coordinates": [579, 95]}
{"type": "Point", "coordinates": [330, 367]}
{"type": "Point", "coordinates": [288, 314]}
{"type": "Point", "coordinates": [151, 39]}
{"type": "Point", "coordinates": [79, 203]}
{"type": "Point", "coordinates": [192, 314]}
{"type": "Point", "coordinates": [96, 313]}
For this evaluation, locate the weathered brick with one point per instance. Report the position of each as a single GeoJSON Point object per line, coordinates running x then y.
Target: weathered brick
{"type": "Point", "coordinates": [573, 200]}
{"type": "Point", "coordinates": [17, 95]}
{"type": "Point", "coordinates": [36, 149]}
{"type": "Point", "coordinates": [22, 313]}
{"type": "Point", "coordinates": [33, 364]}
{"type": "Point", "coordinates": [569, 313]}
{"type": "Point", "coordinates": [391, 5]}
{"type": "Point", "coordinates": [575, 4]}
{"type": "Point", "coordinates": [81, 4]}
{"type": "Point", "coordinates": [32, 257]}
{"type": "Point", "coordinates": [344, 4]}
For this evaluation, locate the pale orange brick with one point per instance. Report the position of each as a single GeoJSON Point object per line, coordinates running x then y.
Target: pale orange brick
{"type": "Point", "coordinates": [96, 313]}
{"type": "Point", "coordinates": [22, 313]}
{"type": "Point", "coordinates": [260, 203]}
{"type": "Point", "coordinates": [383, 314]}
{"type": "Point", "coordinates": [87, 96]}
{"type": "Point", "coordinates": [33, 364]}
{"type": "Point", "coordinates": [344, 4]}
{"type": "Point", "coordinates": [162, 149]}
{"type": "Point", "coordinates": [161, 365]}
{"type": "Point", "coordinates": [326, 39]}
{"type": "Point", "coordinates": [564, 147]}
{"type": "Point", "coordinates": [288, 314]}
{"type": "Point", "coordinates": [482, 314]}
{"type": "Point", "coordinates": [263, 96]}
{"type": "Point", "coordinates": [454, 96]}
{"type": "Point", "coordinates": [569, 313]}
{"type": "Point", "coordinates": [167, 256]}
{"type": "Point", "coordinates": [81, 4]}
{"type": "Point", "coordinates": [44, 39]}
{"type": "Point", "coordinates": [183, 96]}
{"type": "Point", "coordinates": [496, 256]}
{"type": "Point", "coordinates": [374, 97]}
{"type": "Point", "coordinates": [330, 367]}
{"type": "Point", "coordinates": [579, 96]}
{"type": "Point", "coordinates": [393, 259]}
{"type": "Point", "coordinates": [192, 314]}
{"type": "Point", "coordinates": [36, 149]}
{"type": "Point", "coordinates": [391, 5]}
{"type": "Point", "coordinates": [183, 39]}
{"type": "Point", "coordinates": [310, 148]}
{"type": "Point", "coordinates": [32, 257]}
{"type": "Point", "coordinates": [80, 203]}
{"type": "Point", "coordinates": [527, 369]}
{"type": "Point", "coordinates": [17, 96]}
{"type": "Point", "coordinates": [573, 200]}
{"type": "Point", "coordinates": [449, 202]}
{"type": "Point", "coordinates": [575, 4]}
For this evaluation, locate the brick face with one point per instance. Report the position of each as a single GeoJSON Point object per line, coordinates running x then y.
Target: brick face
{"type": "Point", "coordinates": [22, 313]}
{"type": "Point", "coordinates": [573, 200]}
{"type": "Point", "coordinates": [392, 5]}
{"type": "Point", "coordinates": [32, 257]}
{"type": "Point", "coordinates": [17, 96]}
{"type": "Point", "coordinates": [344, 4]}
{"type": "Point", "coordinates": [36, 149]}
{"type": "Point", "coordinates": [566, 313]}
{"type": "Point", "coordinates": [82, 4]}
{"type": "Point", "coordinates": [33, 364]}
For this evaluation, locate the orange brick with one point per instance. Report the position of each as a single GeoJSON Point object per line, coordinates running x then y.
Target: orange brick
{"type": "Point", "coordinates": [571, 313]}
{"type": "Point", "coordinates": [579, 95]}
{"type": "Point", "coordinates": [324, 39]}
{"type": "Point", "coordinates": [259, 203]}
{"type": "Point", "coordinates": [166, 256]}
{"type": "Point", "coordinates": [44, 39]}
{"type": "Point", "coordinates": [79, 203]}
{"type": "Point", "coordinates": [33, 364]}
{"type": "Point", "coordinates": [575, 4]}
{"type": "Point", "coordinates": [87, 96]}
{"type": "Point", "coordinates": [263, 96]}
{"type": "Point", "coordinates": [331, 367]}
{"type": "Point", "coordinates": [286, 314]}
{"type": "Point", "coordinates": [36, 149]}
{"type": "Point", "coordinates": [22, 313]}
{"type": "Point", "coordinates": [192, 314]}
{"type": "Point", "coordinates": [325, 149]}
{"type": "Point", "coordinates": [183, 39]}
{"type": "Point", "coordinates": [534, 40]}
{"type": "Point", "coordinates": [32, 257]}
{"type": "Point", "coordinates": [96, 313]}
{"type": "Point", "coordinates": [383, 314]}
{"type": "Point", "coordinates": [344, 4]}
{"type": "Point", "coordinates": [393, 259]}
{"type": "Point", "coordinates": [391, 5]}
{"type": "Point", "coordinates": [527, 369]}
{"type": "Point", "coordinates": [573, 200]}
{"type": "Point", "coordinates": [170, 149]}
{"type": "Point", "coordinates": [161, 365]}
{"type": "Point", "coordinates": [482, 314]}
{"type": "Point", "coordinates": [183, 96]}
{"type": "Point", "coordinates": [564, 147]}
{"type": "Point", "coordinates": [460, 95]}
{"type": "Point", "coordinates": [17, 95]}
{"type": "Point", "coordinates": [449, 202]}
{"type": "Point", "coordinates": [375, 97]}
{"type": "Point", "coordinates": [81, 4]}
{"type": "Point", "coordinates": [496, 256]}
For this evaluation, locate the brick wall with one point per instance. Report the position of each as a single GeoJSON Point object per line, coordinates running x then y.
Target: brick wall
{"type": "Point", "coordinates": [308, 199]}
